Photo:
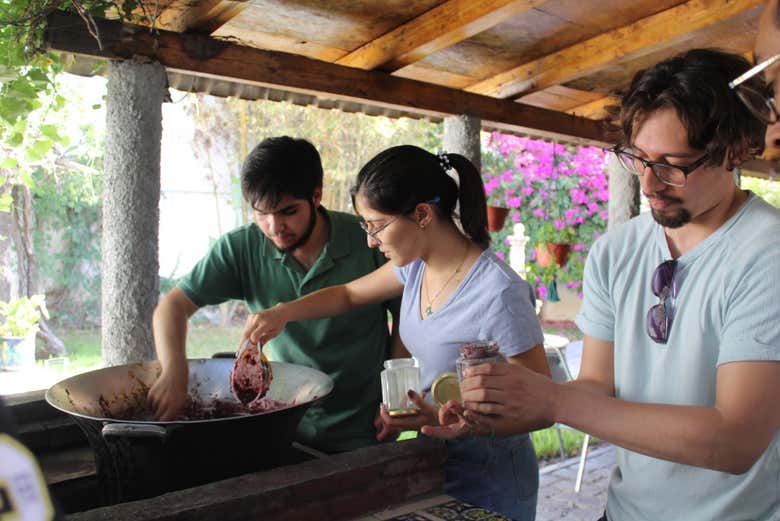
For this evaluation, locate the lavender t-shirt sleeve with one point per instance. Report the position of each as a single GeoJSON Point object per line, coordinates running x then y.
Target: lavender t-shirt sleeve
{"type": "Point", "coordinates": [512, 320]}
{"type": "Point", "coordinates": [402, 272]}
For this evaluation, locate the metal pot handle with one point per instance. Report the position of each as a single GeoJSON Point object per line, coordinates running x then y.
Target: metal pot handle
{"type": "Point", "coordinates": [135, 430]}
{"type": "Point", "coordinates": [140, 466]}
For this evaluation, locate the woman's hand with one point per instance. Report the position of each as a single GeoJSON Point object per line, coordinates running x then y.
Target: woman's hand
{"type": "Point", "coordinates": [387, 425]}
{"type": "Point", "coordinates": [453, 424]}
{"type": "Point", "coordinates": [265, 325]}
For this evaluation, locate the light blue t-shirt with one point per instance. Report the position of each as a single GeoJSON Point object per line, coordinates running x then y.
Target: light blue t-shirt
{"type": "Point", "coordinates": [492, 302]}
{"type": "Point", "coordinates": [727, 309]}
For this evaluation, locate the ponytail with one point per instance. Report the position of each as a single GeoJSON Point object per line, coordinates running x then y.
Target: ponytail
{"type": "Point", "coordinates": [396, 180]}
{"type": "Point", "coordinates": [471, 199]}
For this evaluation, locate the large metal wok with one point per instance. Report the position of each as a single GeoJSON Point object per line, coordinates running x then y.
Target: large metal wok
{"type": "Point", "coordinates": [137, 456]}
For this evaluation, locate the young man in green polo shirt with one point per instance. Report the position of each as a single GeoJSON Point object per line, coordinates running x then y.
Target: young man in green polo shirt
{"type": "Point", "coordinates": [293, 247]}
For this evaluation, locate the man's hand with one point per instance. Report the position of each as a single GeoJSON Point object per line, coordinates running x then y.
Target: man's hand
{"type": "Point", "coordinates": [265, 325]}
{"type": "Point", "coordinates": [508, 398]}
{"type": "Point", "coordinates": [169, 394]}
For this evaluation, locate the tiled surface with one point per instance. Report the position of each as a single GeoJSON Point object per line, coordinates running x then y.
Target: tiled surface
{"type": "Point", "coordinates": [438, 508]}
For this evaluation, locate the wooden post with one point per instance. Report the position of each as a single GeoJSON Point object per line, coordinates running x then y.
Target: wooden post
{"type": "Point", "coordinates": [131, 199]}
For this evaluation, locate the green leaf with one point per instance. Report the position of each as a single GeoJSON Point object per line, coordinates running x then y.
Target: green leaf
{"type": "Point", "coordinates": [50, 131]}
{"type": "Point", "coordinates": [12, 108]}
{"type": "Point", "coordinates": [8, 162]}
{"type": "Point", "coordinates": [39, 149]}
{"type": "Point", "coordinates": [15, 139]}
{"type": "Point", "coordinates": [26, 179]}
{"type": "Point", "coordinates": [96, 106]}
{"type": "Point", "coordinates": [38, 76]}
{"type": "Point", "coordinates": [5, 202]}
{"type": "Point", "coordinates": [22, 88]}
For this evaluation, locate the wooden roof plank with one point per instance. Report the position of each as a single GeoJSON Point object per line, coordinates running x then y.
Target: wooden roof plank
{"type": "Point", "coordinates": [206, 56]}
{"type": "Point", "coordinates": [217, 16]}
{"type": "Point", "coordinates": [438, 28]}
{"type": "Point", "coordinates": [585, 57]}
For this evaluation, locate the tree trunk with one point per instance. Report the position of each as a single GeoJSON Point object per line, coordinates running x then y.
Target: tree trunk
{"type": "Point", "coordinates": [27, 266]}
{"type": "Point", "coordinates": [6, 234]}
{"type": "Point", "coordinates": [52, 345]}
{"type": "Point", "coordinates": [22, 235]}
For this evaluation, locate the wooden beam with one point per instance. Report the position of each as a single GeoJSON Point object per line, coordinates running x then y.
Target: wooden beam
{"type": "Point", "coordinates": [594, 109]}
{"type": "Point", "coordinates": [204, 16]}
{"type": "Point", "coordinates": [761, 168]}
{"type": "Point", "coordinates": [206, 56]}
{"type": "Point", "coordinates": [444, 25]}
{"type": "Point", "coordinates": [583, 58]}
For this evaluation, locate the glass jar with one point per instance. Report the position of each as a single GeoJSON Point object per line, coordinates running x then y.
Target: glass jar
{"type": "Point", "coordinates": [477, 353]}
{"type": "Point", "coordinates": [399, 376]}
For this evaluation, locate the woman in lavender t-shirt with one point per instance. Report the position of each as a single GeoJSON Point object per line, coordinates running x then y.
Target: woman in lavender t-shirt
{"type": "Point", "coordinates": [427, 214]}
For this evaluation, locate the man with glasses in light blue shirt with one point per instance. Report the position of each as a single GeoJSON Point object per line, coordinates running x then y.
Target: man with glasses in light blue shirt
{"type": "Point", "coordinates": [681, 315]}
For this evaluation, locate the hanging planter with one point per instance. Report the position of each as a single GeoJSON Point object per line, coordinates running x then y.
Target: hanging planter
{"type": "Point", "coordinates": [546, 253]}
{"type": "Point", "coordinates": [496, 216]}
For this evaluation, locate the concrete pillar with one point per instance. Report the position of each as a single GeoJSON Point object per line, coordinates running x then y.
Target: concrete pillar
{"type": "Point", "coordinates": [461, 136]}
{"type": "Point", "coordinates": [131, 214]}
{"type": "Point", "coordinates": [623, 193]}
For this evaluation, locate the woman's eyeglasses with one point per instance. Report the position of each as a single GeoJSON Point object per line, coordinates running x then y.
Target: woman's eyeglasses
{"type": "Point", "coordinates": [373, 233]}
{"type": "Point", "coordinates": [665, 286]}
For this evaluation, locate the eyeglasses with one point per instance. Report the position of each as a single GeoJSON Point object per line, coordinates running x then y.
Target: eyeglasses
{"type": "Point", "coordinates": [665, 285]}
{"type": "Point", "coordinates": [373, 233]}
{"type": "Point", "coordinates": [760, 105]}
{"type": "Point", "coordinates": [668, 174]}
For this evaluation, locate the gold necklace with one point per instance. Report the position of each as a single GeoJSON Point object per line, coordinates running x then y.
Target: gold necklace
{"type": "Point", "coordinates": [428, 310]}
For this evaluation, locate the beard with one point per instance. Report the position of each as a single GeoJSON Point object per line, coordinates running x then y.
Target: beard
{"type": "Point", "coordinates": [676, 219]}
{"type": "Point", "coordinates": [307, 234]}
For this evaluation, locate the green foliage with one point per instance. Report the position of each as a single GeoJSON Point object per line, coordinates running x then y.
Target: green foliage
{"type": "Point", "coordinates": [546, 443]}
{"type": "Point", "coordinates": [767, 189]}
{"type": "Point", "coordinates": [66, 190]}
{"type": "Point", "coordinates": [21, 316]}
{"type": "Point", "coordinates": [230, 128]}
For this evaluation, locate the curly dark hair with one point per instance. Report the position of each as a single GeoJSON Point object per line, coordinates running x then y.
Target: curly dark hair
{"type": "Point", "coordinates": [695, 85]}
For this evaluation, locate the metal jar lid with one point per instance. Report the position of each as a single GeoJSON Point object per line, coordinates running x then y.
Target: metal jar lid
{"type": "Point", "coordinates": [445, 388]}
